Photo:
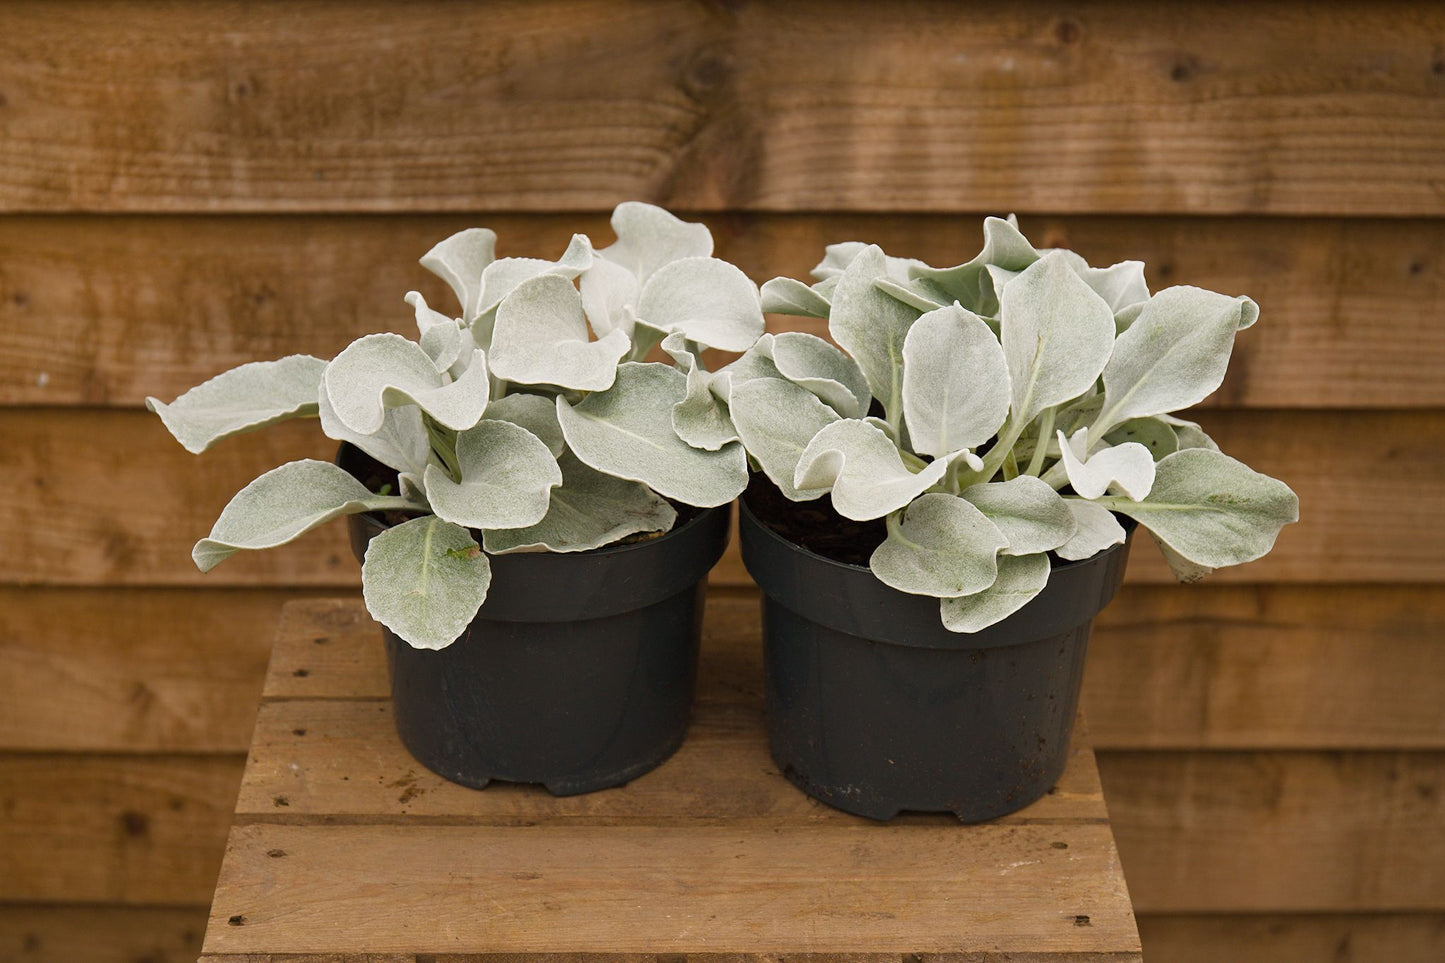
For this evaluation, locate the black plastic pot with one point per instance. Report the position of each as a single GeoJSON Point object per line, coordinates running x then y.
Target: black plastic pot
{"type": "Point", "coordinates": [577, 672]}
{"type": "Point", "coordinates": [875, 708]}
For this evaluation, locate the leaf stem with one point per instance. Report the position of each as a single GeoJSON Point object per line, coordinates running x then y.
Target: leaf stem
{"type": "Point", "coordinates": [1046, 430]}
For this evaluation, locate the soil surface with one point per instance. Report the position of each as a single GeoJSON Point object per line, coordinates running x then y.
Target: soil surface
{"type": "Point", "coordinates": [814, 525]}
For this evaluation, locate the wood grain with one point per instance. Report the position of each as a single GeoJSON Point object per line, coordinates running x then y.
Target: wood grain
{"type": "Point", "coordinates": [358, 106]}
{"type": "Point", "coordinates": [100, 934]}
{"type": "Point", "coordinates": [103, 311]}
{"type": "Point", "coordinates": [1271, 938]}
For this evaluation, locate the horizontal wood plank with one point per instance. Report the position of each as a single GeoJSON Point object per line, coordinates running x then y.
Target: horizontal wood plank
{"type": "Point", "coordinates": [1270, 938]}
{"type": "Point", "coordinates": [1249, 832]}
{"type": "Point", "coordinates": [113, 829]}
{"type": "Point", "coordinates": [222, 106]}
{"type": "Point", "coordinates": [101, 934]}
{"type": "Point", "coordinates": [1350, 308]}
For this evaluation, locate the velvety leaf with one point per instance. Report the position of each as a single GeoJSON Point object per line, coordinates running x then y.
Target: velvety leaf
{"type": "Point", "coordinates": [1020, 579]}
{"type": "Point", "coordinates": [871, 325]}
{"type": "Point", "coordinates": [425, 580]}
{"type": "Point", "coordinates": [1096, 530]}
{"type": "Point", "coordinates": [776, 420]}
{"type": "Point", "coordinates": [812, 363]}
{"type": "Point", "coordinates": [459, 261]}
{"type": "Point", "coordinates": [955, 382]}
{"type": "Point", "coordinates": [400, 442]}
{"type": "Point", "coordinates": [1003, 246]}
{"type": "Point", "coordinates": [756, 362]}
{"type": "Point", "coordinates": [609, 297]}
{"type": "Point", "coordinates": [700, 418]}
{"type": "Point", "coordinates": [382, 371]}
{"type": "Point", "coordinates": [541, 338]}
{"type": "Point", "coordinates": [910, 294]}
{"type": "Point", "coordinates": [710, 301]}
{"type": "Point", "coordinates": [1183, 569]}
{"type": "Point", "coordinates": [536, 413]}
{"type": "Point", "coordinates": [1211, 509]}
{"type": "Point", "coordinates": [787, 296]}
{"type": "Point", "coordinates": [626, 431]}
{"type": "Point", "coordinates": [502, 276]}
{"type": "Point", "coordinates": [1120, 285]}
{"type": "Point", "coordinates": [589, 510]}
{"type": "Point", "coordinates": [284, 503]}
{"type": "Point", "coordinates": [1128, 468]}
{"type": "Point", "coordinates": [1030, 514]}
{"type": "Point", "coordinates": [939, 545]}
{"type": "Point", "coordinates": [440, 337]}
{"type": "Point", "coordinates": [1153, 433]}
{"type": "Point", "coordinates": [649, 237]}
{"type": "Point", "coordinates": [1188, 434]}
{"type": "Point", "coordinates": [836, 258]}
{"type": "Point", "coordinates": [863, 469]}
{"type": "Point", "coordinates": [243, 399]}
{"type": "Point", "coordinates": [507, 477]}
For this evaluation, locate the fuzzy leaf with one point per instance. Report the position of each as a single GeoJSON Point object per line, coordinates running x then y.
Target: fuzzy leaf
{"type": "Point", "coordinates": [626, 431]}
{"type": "Point", "coordinates": [863, 469]}
{"type": "Point", "coordinates": [282, 504]}
{"type": "Point", "coordinates": [955, 382]}
{"type": "Point", "coordinates": [507, 476]}
{"type": "Point", "coordinates": [871, 325]}
{"type": "Point", "coordinates": [1020, 578]}
{"type": "Point", "coordinates": [243, 399]}
{"type": "Point", "coordinates": [836, 258]}
{"type": "Point", "coordinates": [1183, 569]}
{"type": "Point", "coordinates": [939, 545]}
{"type": "Point", "coordinates": [1128, 467]}
{"type": "Point", "coordinates": [1003, 246]}
{"type": "Point", "coordinates": [541, 338]}
{"type": "Point", "coordinates": [459, 261]}
{"type": "Point", "coordinates": [425, 580]}
{"type": "Point", "coordinates": [501, 277]}
{"type": "Point", "coordinates": [440, 337]}
{"type": "Point", "coordinates": [400, 442]}
{"type": "Point", "coordinates": [382, 371]}
{"type": "Point", "coordinates": [1030, 514]}
{"type": "Point", "coordinates": [1153, 433]}
{"type": "Point", "coordinates": [536, 413]}
{"type": "Point", "coordinates": [589, 510]}
{"type": "Point", "coordinates": [812, 363]}
{"type": "Point", "coordinates": [756, 362]}
{"type": "Point", "coordinates": [787, 296]}
{"type": "Point", "coordinates": [710, 301]}
{"type": "Point", "coordinates": [1188, 433]}
{"type": "Point", "coordinates": [1057, 335]}
{"type": "Point", "coordinates": [1211, 509]}
{"type": "Point", "coordinates": [1120, 285]}
{"type": "Point", "coordinates": [649, 237]}
{"type": "Point", "coordinates": [911, 293]}
{"type": "Point", "coordinates": [776, 420]}
{"type": "Point", "coordinates": [609, 297]}
{"type": "Point", "coordinates": [700, 418]}
{"type": "Point", "coordinates": [1096, 530]}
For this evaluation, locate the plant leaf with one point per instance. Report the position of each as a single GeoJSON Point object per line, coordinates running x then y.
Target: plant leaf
{"type": "Point", "coordinates": [1003, 246]}
{"type": "Point", "coordinates": [1057, 335]}
{"type": "Point", "coordinates": [910, 293]}
{"type": "Point", "coordinates": [787, 296]}
{"type": "Point", "coordinates": [1020, 578]}
{"type": "Point", "coordinates": [1097, 529]}
{"type": "Point", "coordinates": [710, 301]}
{"type": "Point", "coordinates": [776, 420]}
{"type": "Point", "coordinates": [863, 470]}
{"type": "Point", "coordinates": [1188, 433]}
{"type": "Point", "coordinates": [1156, 434]}
{"type": "Point", "coordinates": [282, 504]}
{"type": "Point", "coordinates": [1030, 514]}
{"type": "Point", "coordinates": [381, 371]}
{"type": "Point", "coordinates": [812, 363]}
{"type": "Point", "coordinates": [502, 276]}
{"type": "Point", "coordinates": [243, 399]}
{"type": "Point", "coordinates": [1128, 467]}
{"type": "Point", "coordinates": [1183, 569]}
{"type": "Point", "coordinates": [939, 545]}
{"type": "Point", "coordinates": [536, 413]}
{"type": "Point", "coordinates": [649, 237]}
{"type": "Point", "coordinates": [459, 261]}
{"type": "Point", "coordinates": [609, 297]}
{"type": "Point", "coordinates": [1120, 285]}
{"type": "Point", "coordinates": [626, 431]}
{"type": "Point", "coordinates": [440, 336]}
{"type": "Point", "coordinates": [871, 325]}
{"type": "Point", "coordinates": [756, 362]}
{"type": "Point", "coordinates": [955, 382]}
{"type": "Point", "coordinates": [589, 510]}
{"type": "Point", "coordinates": [540, 337]}
{"type": "Point", "coordinates": [700, 418]}
{"type": "Point", "coordinates": [425, 580]}
{"type": "Point", "coordinates": [400, 442]}
{"type": "Point", "coordinates": [507, 477]}
{"type": "Point", "coordinates": [1211, 509]}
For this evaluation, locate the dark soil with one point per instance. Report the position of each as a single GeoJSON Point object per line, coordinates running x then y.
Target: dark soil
{"type": "Point", "coordinates": [814, 525]}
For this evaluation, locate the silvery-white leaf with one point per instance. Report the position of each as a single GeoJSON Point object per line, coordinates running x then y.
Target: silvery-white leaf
{"type": "Point", "coordinates": [626, 431]}
{"type": "Point", "coordinates": [1188, 433]}
{"type": "Point", "coordinates": [995, 279]}
{"type": "Point", "coordinates": [1211, 509]}
{"type": "Point", "coordinates": [787, 296]}
{"type": "Point", "coordinates": [645, 337]}
{"type": "Point", "coordinates": [536, 413]}
{"type": "Point", "coordinates": [939, 545]}
{"type": "Point", "coordinates": [401, 441]}
{"type": "Point", "coordinates": [1173, 355]}
{"type": "Point", "coordinates": [863, 469]}
{"type": "Point", "coordinates": [871, 325]}
{"type": "Point", "coordinates": [441, 338]}
{"type": "Point", "coordinates": [776, 419]}
{"type": "Point", "coordinates": [1120, 285]}
{"type": "Point", "coordinates": [909, 294]}
{"type": "Point", "coordinates": [700, 418]}
{"type": "Point", "coordinates": [459, 261]}
{"type": "Point", "coordinates": [413, 489]}
{"type": "Point", "coordinates": [588, 511]}
{"type": "Point", "coordinates": [1183, 569]}
{"type": "Point", "coordinates": [501, 277]}
{"type": "Point", "coordinates": [425, 580]}
{"type": "Point", "coordinates": [810, 362]}
{"type": "Point", "coordinates": [1057, 335]}
{"type": "Point", "coordinates": [1153, 433]}
{"type": "Point", "coordinates": [382, 371]}
{"type": "Point", "coordinates": [836, 258]}
{"type": "Point", "coordinates": [541, 338]}
{"type": "Point", "coordinates": [1003, 246]}
{"type": "Point", "coordinates": [649, 237]}
{"type": "Point", "coordinates": [711, 301]}
{"type": "Point", "coordinates": [825, 287]}
{"type": "Point", "coordinates": [1129, 467]}
{"type": "Point", "coordinates": [426, 316]}
{"type": "Point", "coordinates": [1031, 515]}
{"type": "Point", "coordinates": [1096, 530]}
{"type": "Point", "coordinates": [609, 297]}
{"type": "Point", "coordinates": [756, 362]}
{"type": "Point", "coordinates": [1020, 578]}
{"type": "Point", "coordinates": [245, 398]}
{"type": "Point", "coordinates": [1080, 413]}
{"type": "Point", "coordinates": [955, 382]}
{"type": "Point", "coordinates": [507, 477]}
{"type": "Point", "coordinates": [1125, 317]}
{"type": "Point", "coordinates": [284, 503]}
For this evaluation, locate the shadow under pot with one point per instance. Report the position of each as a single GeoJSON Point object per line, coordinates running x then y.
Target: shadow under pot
{"type": "Point", "coordinates": [577, 672]}
{"type": "Point", "coordinates": [875, 708]}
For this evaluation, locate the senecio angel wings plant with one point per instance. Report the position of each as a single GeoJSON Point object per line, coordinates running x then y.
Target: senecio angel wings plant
{"type": "Point", "coordinates": [999, 411]}
{"type": "Point", "coordinates": [512, 419]}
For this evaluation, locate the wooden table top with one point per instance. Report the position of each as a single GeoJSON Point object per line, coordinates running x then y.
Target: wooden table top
{"type": "Point", "coordinates": [344, 847]}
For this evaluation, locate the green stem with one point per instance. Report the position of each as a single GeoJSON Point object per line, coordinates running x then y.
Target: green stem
{"type": "Point", "coordinates": [1046, 430]}
{"type": "Point", "coordinates": [1010, 466]}
{"type": "Point", "coordinates": [444, 447]}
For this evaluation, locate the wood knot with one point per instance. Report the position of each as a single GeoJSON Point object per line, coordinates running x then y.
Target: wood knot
{"type": "Point", "coordinates": [1067, 32]}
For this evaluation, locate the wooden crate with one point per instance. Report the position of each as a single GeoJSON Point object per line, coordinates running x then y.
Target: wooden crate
{"type": "Point", "coordinates": [344, 846]}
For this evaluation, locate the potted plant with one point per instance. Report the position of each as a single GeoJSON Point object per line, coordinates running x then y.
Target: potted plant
{"type": "Point", "coordinates": [534, 503]}
{"type": "Point", "coordinates": [989, 438]}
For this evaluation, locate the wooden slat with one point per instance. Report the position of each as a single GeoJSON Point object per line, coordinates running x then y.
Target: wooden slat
{"type": "Point", "coordinates": [1337, 937]}
{"type": "Point", "coordinates": [1236, 832]}
{"type": "Point", "coordinates": [576, 105]}
{"type": "Point", "coordinates": [133, 670]}
{"type": "Point", "coordinates": [100, 934]}
{"type": "Point", "coordinates": [1351, 308]}
{"type": "Point", "coordinates": [113, 829]}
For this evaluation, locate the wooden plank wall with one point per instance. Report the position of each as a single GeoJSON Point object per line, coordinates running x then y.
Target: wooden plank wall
{"type": "Point", "coordinates": [187, 186]}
